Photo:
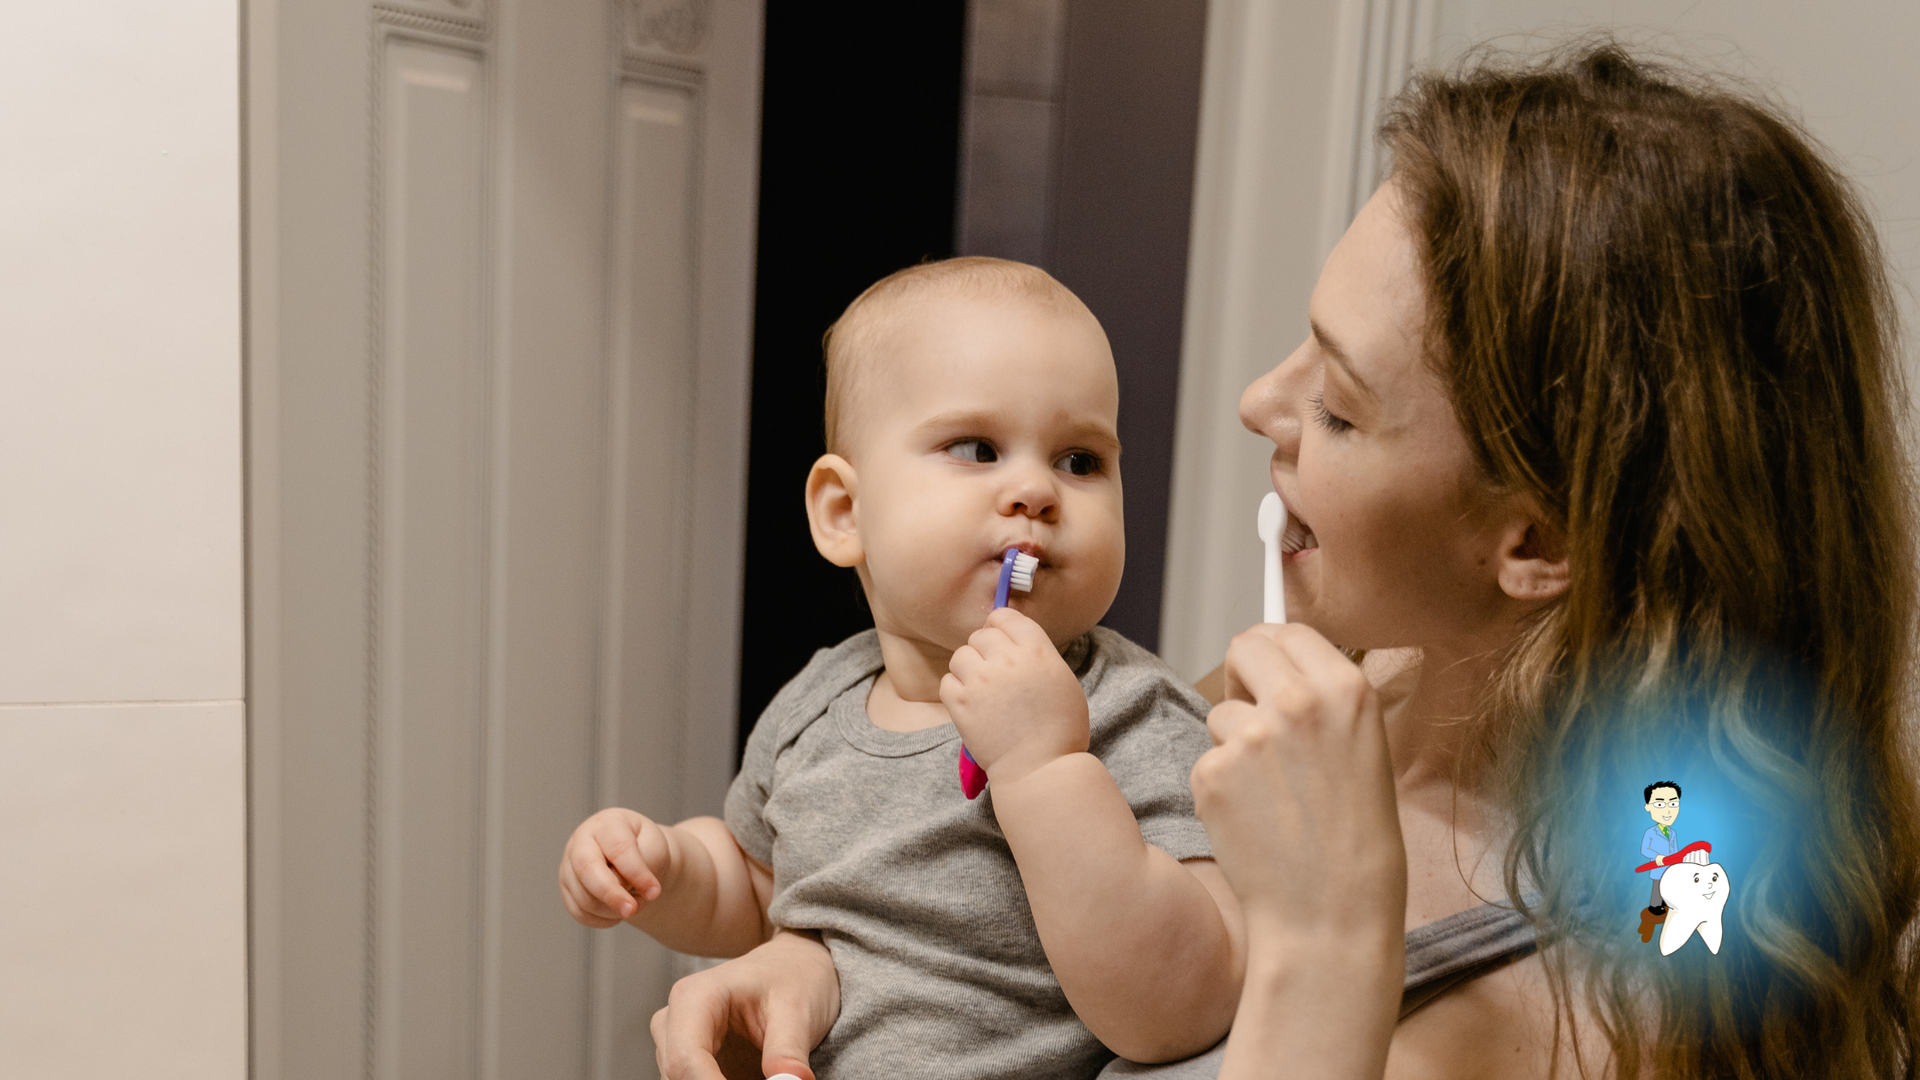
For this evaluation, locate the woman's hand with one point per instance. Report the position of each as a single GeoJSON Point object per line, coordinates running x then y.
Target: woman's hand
{"type": "Point", "coordinates": [1297, 793]}
{"type": "Point", "coordinates": [1297, 797]}
{"type": "Point", "coordinates": [782, 997]}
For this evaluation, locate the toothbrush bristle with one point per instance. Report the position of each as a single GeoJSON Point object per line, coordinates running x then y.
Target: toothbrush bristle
{"type": "Point", "coordinates": [1023, 567]}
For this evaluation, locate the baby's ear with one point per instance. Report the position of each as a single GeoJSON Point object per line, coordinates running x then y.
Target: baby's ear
{"type": "Point", "coordinates": [830, 488]}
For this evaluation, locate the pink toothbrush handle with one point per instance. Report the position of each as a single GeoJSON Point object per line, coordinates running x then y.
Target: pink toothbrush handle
{"type": "Point", "coordinates": [973, 778]}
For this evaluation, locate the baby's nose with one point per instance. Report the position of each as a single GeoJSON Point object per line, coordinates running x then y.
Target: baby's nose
{"type": "Point", "coordinates": [1029, 495]}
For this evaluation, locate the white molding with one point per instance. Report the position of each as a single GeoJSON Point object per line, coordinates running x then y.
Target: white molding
{"type": "Point", "coordinates": [643, 727]}
{"type": "Point", "coordinates": [460, 413]}
{"type": "Point", "coordinates": [260, 319]}
{"type": "Point", "coordinates": [1381, 42]}
{"type": "Point", "coordinates": [1258, 192]}
{"type": "Point", "coordinates": [1293, 89]}
{"type": "Point", "coordinates": [728, 182]}
{"type": "Point", "coordinates": [677, 29]}
{"type": "Point", "coordinates": [464, 19]}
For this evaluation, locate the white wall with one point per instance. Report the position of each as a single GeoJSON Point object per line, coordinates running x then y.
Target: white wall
{"type": "Point", "coordinates": [1283, 153]}
{"type": "Point", "coordinates": [1848, 72]}
{"type": "Point", "coordinates": [122, 818]}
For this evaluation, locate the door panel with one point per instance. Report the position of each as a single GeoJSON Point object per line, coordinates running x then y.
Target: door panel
{"type": "Point", "coordinates": [428, 550]}
{"type": "Point", "coordinates": [652, 400]}
{"type": "Point", "coordinates": [499, 270]}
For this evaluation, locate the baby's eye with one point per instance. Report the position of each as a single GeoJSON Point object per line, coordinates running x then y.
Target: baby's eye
{"type": "Point", "coordinates": [1079, 463]}
{"type": "Point", "coordinates": [978, 451]}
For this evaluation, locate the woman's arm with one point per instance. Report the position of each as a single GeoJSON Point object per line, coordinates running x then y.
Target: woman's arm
{"type": "Point", "coordinates": [782, 998]}
{"type": "Point", "coordinates": [1297, 797]}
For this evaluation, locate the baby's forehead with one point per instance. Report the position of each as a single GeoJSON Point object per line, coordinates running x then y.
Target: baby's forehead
{"type": "Point", "coordinates": [934, 339]}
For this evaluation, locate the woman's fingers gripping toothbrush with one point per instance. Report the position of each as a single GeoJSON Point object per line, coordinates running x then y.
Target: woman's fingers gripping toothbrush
{"type": "Point", "coordinates": [1298, 790]}
{"type": "Point", "coordinates": [1016, 575]}
{"type": "Point", "coordinates": [1273, 522]}
{"type": "Point", "coordinates": [611, 867]}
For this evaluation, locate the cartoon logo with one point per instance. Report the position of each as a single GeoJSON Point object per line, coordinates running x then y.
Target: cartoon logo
{"type": "Point", "coordinates": [1696, 893]}
{"type": "Point", "coordinates": [1689, 893]}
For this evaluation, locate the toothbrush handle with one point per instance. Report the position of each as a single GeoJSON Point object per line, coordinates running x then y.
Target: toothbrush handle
{"type": "Point", "coordinates": [973, 778]}
{"type": "Point", "coordinates": [1276, 591]}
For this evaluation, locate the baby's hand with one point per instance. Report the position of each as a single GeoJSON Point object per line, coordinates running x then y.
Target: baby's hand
{"type": "Point", "coordinates": [1015, 701]}
{"type": "Point", "coordinates": [611, 867]}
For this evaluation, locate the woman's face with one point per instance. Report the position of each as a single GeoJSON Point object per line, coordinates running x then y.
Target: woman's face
{"type": "Point", "coordinates": [1398, 537]}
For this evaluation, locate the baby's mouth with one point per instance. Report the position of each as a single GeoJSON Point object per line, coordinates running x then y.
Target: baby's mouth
{"type": "Point", "coordinates": [1026, 546]}
{"type": "Point", "coordinates": [1297, 536]}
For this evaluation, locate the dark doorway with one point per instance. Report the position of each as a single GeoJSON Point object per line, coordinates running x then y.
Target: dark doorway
{"type": "Point", "coordinates": [1080, 124]}
{"type": "Point", "coordinates": [1082, 119]}
{"type": "Point", "coordinates": [859, 157]}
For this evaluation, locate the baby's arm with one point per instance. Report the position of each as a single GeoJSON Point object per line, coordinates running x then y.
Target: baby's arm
{"type": "Point", "coordinates": [689, 886]}
{"type": "Point", "coordinates": [1149, 951]}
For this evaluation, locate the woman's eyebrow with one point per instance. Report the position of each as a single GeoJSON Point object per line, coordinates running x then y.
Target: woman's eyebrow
{"type": "Point", "coordinates": [1339, 356]}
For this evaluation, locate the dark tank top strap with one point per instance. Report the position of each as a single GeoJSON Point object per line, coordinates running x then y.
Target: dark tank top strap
{"type": "Point", "coordinates": [1462, 947]}
{"type": "Point", "coordinates": [1441, 955]}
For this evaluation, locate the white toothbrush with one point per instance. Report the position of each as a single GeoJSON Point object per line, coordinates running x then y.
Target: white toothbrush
{"type": "Point", "coordinates": [1273, 522]}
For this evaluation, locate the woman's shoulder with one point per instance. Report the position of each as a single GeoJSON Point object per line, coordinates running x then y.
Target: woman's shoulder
{"type": "Point", "coordinates": [1500, 1026]}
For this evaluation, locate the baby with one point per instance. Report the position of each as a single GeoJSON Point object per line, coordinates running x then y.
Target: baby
{"type": "Point", "coordinates": [971, 408]}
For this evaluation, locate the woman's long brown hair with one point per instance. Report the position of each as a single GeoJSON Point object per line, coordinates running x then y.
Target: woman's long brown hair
{"type": "Point", "coordinates": [1664, 321]}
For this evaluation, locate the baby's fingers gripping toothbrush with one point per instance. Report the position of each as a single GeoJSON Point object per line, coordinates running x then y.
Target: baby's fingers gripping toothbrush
{"type": "Point", "coordinates": [1273, 522]}
{"type": "Point", "coordinates": [1016, 573]}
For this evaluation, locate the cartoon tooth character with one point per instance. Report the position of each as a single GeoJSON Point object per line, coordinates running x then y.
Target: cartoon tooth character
{"type": "Point", "coordinates": [1696, 894]}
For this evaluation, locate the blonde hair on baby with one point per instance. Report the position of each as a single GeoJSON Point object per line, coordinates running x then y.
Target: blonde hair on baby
{"type": "Point", "coordinates": [851, 342]}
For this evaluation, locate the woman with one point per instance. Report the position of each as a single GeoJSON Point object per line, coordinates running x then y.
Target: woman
{"type": "Point", "coordinates": [1595, 439]}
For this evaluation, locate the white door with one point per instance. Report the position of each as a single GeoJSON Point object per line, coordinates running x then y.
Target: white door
{"type": "Point", "coordinates": [499, 294]}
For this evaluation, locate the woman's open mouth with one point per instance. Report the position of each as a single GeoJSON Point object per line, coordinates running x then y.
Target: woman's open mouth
{"type": "Point", "coordinates": [1297, 537]}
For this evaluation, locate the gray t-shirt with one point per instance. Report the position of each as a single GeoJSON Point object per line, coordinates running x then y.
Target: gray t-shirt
{"type": "Point", "coordinates": [912, 887]}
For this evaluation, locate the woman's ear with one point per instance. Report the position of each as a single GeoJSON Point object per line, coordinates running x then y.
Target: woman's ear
{"type": "Point", "coordinates": [830, 490]}
{"type": "Point", "coordinates": [1533, 561]}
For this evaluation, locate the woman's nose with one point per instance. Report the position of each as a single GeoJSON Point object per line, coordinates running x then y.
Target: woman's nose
{"type": "Point", "coordinates": [1273, 405]}
{"type": "Point", "coordinates": [1029, 492]}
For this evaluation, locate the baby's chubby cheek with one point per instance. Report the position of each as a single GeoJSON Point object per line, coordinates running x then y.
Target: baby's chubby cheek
{"type": "Point", "coordinates": [933, 589]}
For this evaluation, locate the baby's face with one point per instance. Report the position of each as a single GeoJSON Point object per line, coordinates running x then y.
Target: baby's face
{"type": "Point", "coordinates": [987, 424]}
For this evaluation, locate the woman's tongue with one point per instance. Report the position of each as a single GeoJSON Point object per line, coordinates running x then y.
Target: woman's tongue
{"type": "Point", "coordinates": [1297, 537]}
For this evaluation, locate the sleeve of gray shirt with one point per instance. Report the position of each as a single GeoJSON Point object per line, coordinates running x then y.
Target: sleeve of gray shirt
{"type": "Point", "coordinates": [801, 701]}
{"type": "Point", "coordinates": [747, 795]}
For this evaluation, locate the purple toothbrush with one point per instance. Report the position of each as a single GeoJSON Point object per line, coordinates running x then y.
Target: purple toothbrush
{"type": "Point", "coordinates": [1016, 573]}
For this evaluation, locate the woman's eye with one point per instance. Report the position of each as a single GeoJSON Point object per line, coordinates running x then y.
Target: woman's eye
{"type": "Point", "coordinates": [1326, 419]}
{"type": "Point", "coordinates": [978, 451]}
{"type": "Point", "coordinates": [1079, 463]}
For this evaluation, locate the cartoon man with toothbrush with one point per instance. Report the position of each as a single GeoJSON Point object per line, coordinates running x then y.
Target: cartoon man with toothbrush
{"type": "Point", "coordinates": [1659, 843]}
